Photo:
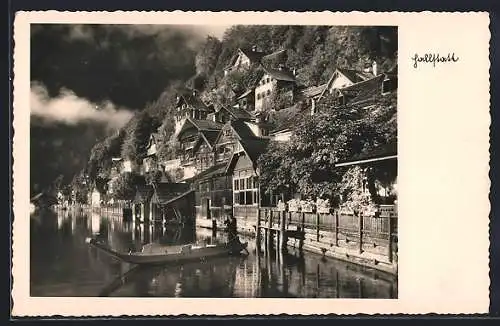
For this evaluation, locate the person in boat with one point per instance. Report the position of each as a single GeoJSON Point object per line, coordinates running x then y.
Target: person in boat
{"type": "Point", "coordinates": [232, 231]}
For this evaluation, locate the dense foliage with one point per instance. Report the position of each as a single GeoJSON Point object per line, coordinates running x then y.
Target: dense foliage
{"type": "Point", "coordinates": [124, 186]}
{"type": "Point", "coordinates": [307, 163]}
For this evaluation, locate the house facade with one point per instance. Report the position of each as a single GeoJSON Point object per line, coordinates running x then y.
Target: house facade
{"type": "Point", "coordinates": [274, 80]}
{"type": "Point", "coordinates": [189, 105]}
{"type": "Point", "coordinates": [194, 133]}
{"type": "Point", "coordinates": [245, 178]}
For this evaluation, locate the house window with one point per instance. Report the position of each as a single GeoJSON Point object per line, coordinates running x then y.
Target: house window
{"type": "Point", "coordinates": [245, 190]}
{"type": "Point", "coordinates": [268, 92]}
{"type": "Point", "coordinates": [258, 96]}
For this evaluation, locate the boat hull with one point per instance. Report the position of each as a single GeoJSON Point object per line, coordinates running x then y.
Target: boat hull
{"type": "Point", "coordinates": [195, 254]}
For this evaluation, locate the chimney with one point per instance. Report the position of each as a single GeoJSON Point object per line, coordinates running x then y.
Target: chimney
{"type": "Point", "coordinates": [374, 68]}
{"type": "Point", "coordinates": [254, 48]}
{"type": "Point", "coordinates": [295, 72]}
{"type": "Point", "coordinates": [194, 92]}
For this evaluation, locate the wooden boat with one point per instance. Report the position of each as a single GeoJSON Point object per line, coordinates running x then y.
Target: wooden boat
{"type": "Point", "coordinates": [171, 254]}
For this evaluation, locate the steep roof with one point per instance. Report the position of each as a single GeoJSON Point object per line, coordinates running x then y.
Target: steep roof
{"type": "Point", "coordinates": [248, 92]}
{"type": "Point", "coordinates": [273, 55]}
{"type": "Point", "coordinates": [192, 101]}
{"type": "Point", "coordinates": [241, 130]}
{"type": "Point", "coordinates": [210, 136]}
{"type": "Point", "coordinates": [206, 125]}
{"type": "Point", "coordinates": [283, 75]}
{"type": "Point", "coordinates": [313, 91]}
{"type": "Point", "coordinates": [200, 125]}
{"type": "Point", "coordinates": [238, 113]}
{"type": "Point", "coordinates": [354, 76]}
{"type": "Point", "coordinates": [219, 169]}
{"type": "Point", "coordinates": [364, 90]}
{"type": "Point", "coordinates": [252, 148]}
{"type": "Point", "coordinates": [254, 56]}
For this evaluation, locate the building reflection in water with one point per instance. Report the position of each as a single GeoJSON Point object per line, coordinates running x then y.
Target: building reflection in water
{"type": "Point", "coordinates": [264, 273]}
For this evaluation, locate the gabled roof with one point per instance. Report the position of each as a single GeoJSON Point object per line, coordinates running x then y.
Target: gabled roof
{"type": "Point", "coordinates": [274, 54]}
{"type": "Point", "coordinates": [241, 130]}
{"type": "Point", "coordinates": [206, 125]}
{"type": "Point", "coordinates": [364, 90]}
{"type": "Point", "coordinates": [252, 148]}
{"type": "Point", "coordinates": [210, 136]}
{"type": "Point", "coordinates": [354, 76]}
{"type": "Point", "coordinates": [200, 125]}
{"type": "Point", "coordinates": [248, 92]}
{"type": "Point", "coordinates": [207, 136]}
{"type": "Point", "coordinates": [313, 91]}
{"type": "Point", "coordinates": [216, 170]}
{"type": "Point", "coordinates": [254, 56]}
{"type": "Point", "coordinates": [283, 75]}
{"type": "Point", "coordinates": [192, 101]}
{"type": "Point", "coordinates": [238, 113]}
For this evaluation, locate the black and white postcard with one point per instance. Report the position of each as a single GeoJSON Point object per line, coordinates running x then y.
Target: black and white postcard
{"type": "Point", "coordinates": [172, 163]}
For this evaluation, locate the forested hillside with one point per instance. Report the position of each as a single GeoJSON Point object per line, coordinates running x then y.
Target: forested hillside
{"type": "Point", "coordinates": [314, 52]}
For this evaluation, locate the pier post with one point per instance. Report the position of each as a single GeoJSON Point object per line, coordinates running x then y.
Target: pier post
{"type": "Point", "coordinates": [336, 227]}
{"type": "Point", "coordinates": [317, 226]}
{"type": "Point", "coordinates": [360, 231]}
{"type": "Point", "coordinates": [389, 245]}
{"type": "Point", "coordinates": [269, 228]}
{"type": "Point", "coordinates": [258, 232]}
{"type": "Point", "coordinates": [283, 238]}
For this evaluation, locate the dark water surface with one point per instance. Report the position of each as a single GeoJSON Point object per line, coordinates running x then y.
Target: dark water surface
{"type": "Point", "coordinates": [62, 264]}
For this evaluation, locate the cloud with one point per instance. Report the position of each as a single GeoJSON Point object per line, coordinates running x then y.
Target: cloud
{"type": "Point", "coordinates": [71, 109]}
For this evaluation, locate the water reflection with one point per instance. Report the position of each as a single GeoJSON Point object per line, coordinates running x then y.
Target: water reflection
{"type": "Point", "coordinates": [63, 265]}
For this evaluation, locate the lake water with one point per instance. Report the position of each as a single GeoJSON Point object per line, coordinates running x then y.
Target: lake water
{"type": "Point", "coordinates": [62, 264]}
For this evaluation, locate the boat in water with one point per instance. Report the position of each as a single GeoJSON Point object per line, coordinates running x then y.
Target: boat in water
{"type": "Point", "coordinates": [158, 255]}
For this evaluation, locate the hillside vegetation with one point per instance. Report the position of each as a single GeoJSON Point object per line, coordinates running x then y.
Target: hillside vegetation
{"type": "Point", "coordinates": [314, 52]}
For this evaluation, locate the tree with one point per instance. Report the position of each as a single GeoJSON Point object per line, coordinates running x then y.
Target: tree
{"type": "Point", "coordinates": [207, 55]}
{"type": "Point", "coordinates": [137, 138]}
{"type": "Point", "coordinates": [124, 186]}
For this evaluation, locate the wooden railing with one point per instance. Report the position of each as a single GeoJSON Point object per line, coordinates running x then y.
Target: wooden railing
{"type": "Point", "coordinates": [380, 229]}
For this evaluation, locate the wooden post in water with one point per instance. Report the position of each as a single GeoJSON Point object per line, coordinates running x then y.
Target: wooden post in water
{"type": "Point", "coordinates": [336, 227]}
{"type": "Point", "coordinates": [360, 232]}
{"type": "Point", "coordinates": [257, 232]}
{"type": "Point", "coordinates": [389, 245]}
{"type": "Point", "coordinates": [317, 226]}
{"type": "Point", "coordinates": [283, 239]}
{"type": "Point", "coordinates": [269, 228]}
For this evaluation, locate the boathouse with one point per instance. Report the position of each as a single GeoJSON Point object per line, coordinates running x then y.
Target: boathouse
{"type": "Point", "coordinates": [141, 204]}
{"type": "Point", "coordinates": [213, 195]}
{"type": "Point", "coordinates": [172, 203]}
